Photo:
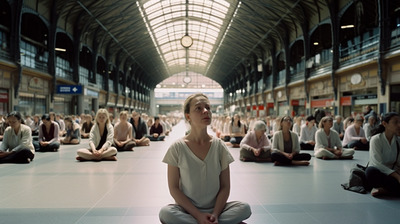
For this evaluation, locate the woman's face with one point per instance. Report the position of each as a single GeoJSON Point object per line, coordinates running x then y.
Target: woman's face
{"type": "Point", "coordinates": [371, 120]}
{"type": "Point", "coordinates": [311, 123]}
{"type": "Point", "coordinates": [393, 126]}
{"type": "Point", "coordinates": [68, 123]}
{"type": "Point", "coordinates": [88, 119]}
{"type": "Point", "coordinates": [46, 122]}
{"type": "Point", "coordinates": [328, 124]}
{"type": "Point", "coordinates": [358, 124]}
{"type": "Point", "coordinates": [102, 118]}
{"type": "Point", "coordinates": [286, 122]}
{"type": "Point", "coordinates": [200, 111]}
{"type": "Point", "coordinates": [13, 122]}
{"type": "Point", "coordinates": [259, 133]}
{"type": "Point", "coordinates": [123, 118]}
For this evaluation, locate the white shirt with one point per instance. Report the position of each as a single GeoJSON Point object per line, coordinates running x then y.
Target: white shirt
{"type": "Point", "coordinates": [199, 179]}
{"type": "Point", "coordinates": [321, 140]}
{"type": "Point", "coordinates": [350, 134]}
{"type": "Point", "coordinates": [383, 154]}
{"type": "Point", "coordinates": [296, 129]}
{"type": "Point", "coordinates": [307, 134]}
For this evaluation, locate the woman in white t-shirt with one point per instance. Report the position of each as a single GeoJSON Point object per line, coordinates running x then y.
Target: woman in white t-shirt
{"type": "Point", "coordinates": [198, 173]}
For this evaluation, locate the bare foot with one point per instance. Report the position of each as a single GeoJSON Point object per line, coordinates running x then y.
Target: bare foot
{"type": "Point", "coordinates": [80, 158]}
{"type": "Point", "coordinates": [376, 192]}
{"type": "Point", "coordinates": [300, 163]}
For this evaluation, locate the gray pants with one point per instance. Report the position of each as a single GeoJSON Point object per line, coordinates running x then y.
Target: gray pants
{"type": "Point", "coordinates": [248, 156]}
{"type": "Point", "coordinates": [234, 212]}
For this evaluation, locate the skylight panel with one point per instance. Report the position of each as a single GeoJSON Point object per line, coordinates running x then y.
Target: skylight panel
{"type": "Point", "coordinates": [166, 22]}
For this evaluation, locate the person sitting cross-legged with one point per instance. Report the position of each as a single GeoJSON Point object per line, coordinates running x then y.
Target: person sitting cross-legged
{"type": "Point", "coordinates": [17, 144]}
{"type": "Point", "coordinates": [307, 134]}
{"type": "Point", "coordinates": [198, 173]}
{"type": "Point", "coordinates": [286, 147]}
{"type": "Point", "coordinates": [48, 135]}
{"type": "Point", "coordinates": [256, 146]}
{"type": "Point", "coordinates": [86, 126]}
{"type": "Point", "coordinates": [123, 140]}
{"type": "Point", "coordinates": [139, 129]}
{"type": "Point", "coordinates": [156, 131]}
{"type": "Point", "coordinates": [383, 172]}
{"type": "Point", "coordinates": [328, 144]}
{"type": "Point", "coordinates": [72, 132]}
{"type": "Point", "coordinates": [100, 140]}
{"type": "Point", "coordinates": [354, 136]}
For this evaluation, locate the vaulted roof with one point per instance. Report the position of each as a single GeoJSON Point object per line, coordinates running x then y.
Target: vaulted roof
{"type": "Point", "coordinates": [226, 33]}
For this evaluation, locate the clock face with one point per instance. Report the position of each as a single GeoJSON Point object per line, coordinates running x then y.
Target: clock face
{"type": "Point", "coordinates": [186, 41]}
{"type": "Point", "coordinates": [187, 80]}
{"type": "Point", "coordinates": [356, 79]}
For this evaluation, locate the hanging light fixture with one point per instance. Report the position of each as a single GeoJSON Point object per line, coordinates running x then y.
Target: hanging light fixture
{"type": "Point", "coordinates": [186, 42]}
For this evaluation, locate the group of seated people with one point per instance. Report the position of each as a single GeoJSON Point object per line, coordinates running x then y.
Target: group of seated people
{"type": "Point", "coordinates": [329, 138]}
{"type": "Point", "coordinates": [381, 139]}
{"type": "Point", "coordinates": [105, 138]}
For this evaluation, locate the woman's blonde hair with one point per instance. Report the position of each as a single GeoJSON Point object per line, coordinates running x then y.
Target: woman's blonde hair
{"type": "Point", "coordinates": [124, 112]}
{"type": "Point", "coordinates": [103, 111]}
{"type": "Point", "coordinates": [323, 120]}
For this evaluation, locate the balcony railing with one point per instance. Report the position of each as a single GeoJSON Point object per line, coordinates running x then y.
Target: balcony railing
{"type": "Point", "coordinates": [99, 81]}
{"type": "Point", "coordinates": [281, 78]}
{"type": "Point", "coordinates": [63, 69]}
{"type": "Point", "coordinates": [31, 58]}
{"type": "Point", "coordinates": [83, 75]}
{"type": "Point", "coordinates": [360, 47]}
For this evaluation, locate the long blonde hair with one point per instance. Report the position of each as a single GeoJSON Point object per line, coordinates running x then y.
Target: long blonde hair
{"type": "Point", "coordinates": [103, 111]}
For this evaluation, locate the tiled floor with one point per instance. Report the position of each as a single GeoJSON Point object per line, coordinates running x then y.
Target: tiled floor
{"type": "Point", "coordinates": [55, 188]}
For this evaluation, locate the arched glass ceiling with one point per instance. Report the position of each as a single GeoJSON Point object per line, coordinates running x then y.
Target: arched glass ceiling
{"type": "Point", "coordinates": [166, 22]}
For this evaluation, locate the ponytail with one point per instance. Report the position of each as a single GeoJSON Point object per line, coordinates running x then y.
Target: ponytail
{"type": "Point", "coordinates": [379, 129]}
{"type": "Point", "coordinates": [386, 118]}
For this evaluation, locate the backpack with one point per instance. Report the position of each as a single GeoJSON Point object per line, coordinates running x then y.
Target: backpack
{"type": "Point", "coordinates": [357, 180]}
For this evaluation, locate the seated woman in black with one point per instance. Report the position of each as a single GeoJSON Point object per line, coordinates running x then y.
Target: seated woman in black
{"type": "Point", "coordinates": [17, 144]}
{"type": "Point", "coordinates": [156, 131]}
{"type": "Point", "coordinates": [48, 136]}
{"type": "Point", "coordinates": [286, 147]}
{"type": "Point", "coordinates": [140, 130]}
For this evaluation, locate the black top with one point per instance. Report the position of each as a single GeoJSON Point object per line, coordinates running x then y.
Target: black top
{"type": "Point", "coordinates": [140, 130]}
{"type": "Point", "coordinates": [103, 139]}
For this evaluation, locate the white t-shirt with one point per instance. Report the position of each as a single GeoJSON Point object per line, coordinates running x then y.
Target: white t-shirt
{"type": "Point", "coordinates": [199, 179]}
